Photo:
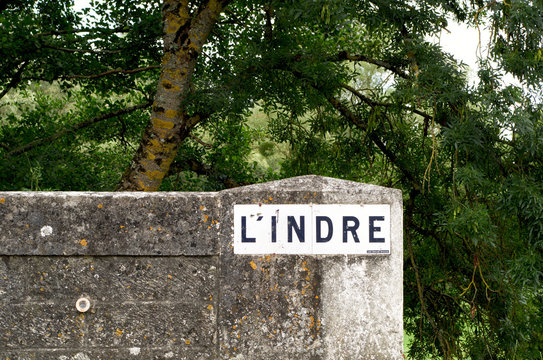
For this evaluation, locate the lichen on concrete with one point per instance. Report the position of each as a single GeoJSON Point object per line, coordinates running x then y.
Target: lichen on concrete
{"type": "Point", "coordinates": [164, 283]}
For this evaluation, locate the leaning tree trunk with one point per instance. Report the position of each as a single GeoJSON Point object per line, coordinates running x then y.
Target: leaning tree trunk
{"type": "Point", "coordinates": [184, 37]}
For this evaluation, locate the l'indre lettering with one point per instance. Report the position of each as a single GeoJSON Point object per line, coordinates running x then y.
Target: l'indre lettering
{"type": "Point", "coordinates": [312, 229]}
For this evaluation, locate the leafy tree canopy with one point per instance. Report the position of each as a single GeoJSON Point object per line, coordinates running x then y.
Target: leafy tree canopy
{"type": "Point", "coordinates": [203, 95]}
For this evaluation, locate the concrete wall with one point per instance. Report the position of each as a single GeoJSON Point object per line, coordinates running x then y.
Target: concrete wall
{"type": "Point", "coordinates": [164, 282]}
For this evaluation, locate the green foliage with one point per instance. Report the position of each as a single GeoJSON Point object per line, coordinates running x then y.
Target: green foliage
{"type": "Point", "coordinates": [349, 89]}
{"type": "Point", "coordinates": [91, 158]}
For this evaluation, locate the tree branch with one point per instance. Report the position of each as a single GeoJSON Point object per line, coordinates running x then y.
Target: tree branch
{"type": "Point", "coordinates": [437, 331]}
{"type": "Point", "coordinates": [74, 31]}
{"type": "Point", "coordinates": [49, 139]}
{"type": "Point", "coordinates": [116, 71]}
{"type": "Point", "coordinates": [383, 64]}
{"type": "Point", "coordinates": [14, 80]}
{"type": "Point", "coordinates": [349, 115]}
{"type": "Point", "coordinates": [374, 103]}
{"type": "Point", "coordinates": [410, 206]}
{"type": "Point", "coordinates": [354, 119]}
{"type": "Point", "coordinates": [200, 141]}
{"type": "Point", "coordinates": [82, 51]}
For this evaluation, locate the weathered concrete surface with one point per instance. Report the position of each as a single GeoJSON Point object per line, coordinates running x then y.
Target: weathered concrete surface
{"type": "Point", "coordinates": [165, 284]}
{"type": "Point", "coordinates": [57, 223]}
{"type": "Point", "coordinates": [363, 296]}
{"type": "Point", "coordinates": [163, 304]}
{"type": "Point", "coordinates": [311, 307]}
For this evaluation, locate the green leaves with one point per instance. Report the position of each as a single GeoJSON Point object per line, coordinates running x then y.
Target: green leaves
{"type": "Point", "coordinates": [73, 156]}
{"type": "Point", "coordinates": [349, 89]}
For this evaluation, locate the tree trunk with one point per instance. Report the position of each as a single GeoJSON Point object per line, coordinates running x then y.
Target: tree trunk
{"type": "Point", "coordinates": [184, 37]}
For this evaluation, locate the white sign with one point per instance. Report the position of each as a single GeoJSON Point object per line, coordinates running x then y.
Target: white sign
{"type": "Point", "coordinates": [312, 229]}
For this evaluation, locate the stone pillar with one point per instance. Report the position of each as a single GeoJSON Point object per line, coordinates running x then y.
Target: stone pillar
{"type": "Point", "coordinates": [332, 307]}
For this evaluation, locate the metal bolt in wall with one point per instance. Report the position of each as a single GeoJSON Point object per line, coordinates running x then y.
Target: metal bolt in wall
{"type": "Point", "coordinates": [82, 304]}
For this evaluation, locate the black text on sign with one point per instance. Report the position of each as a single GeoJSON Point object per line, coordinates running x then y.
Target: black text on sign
{"type": "Point", "coordinates": [312, 229]}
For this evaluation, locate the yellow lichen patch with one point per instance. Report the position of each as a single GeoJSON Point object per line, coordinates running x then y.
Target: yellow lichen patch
{"type": "Point", "coordinates": [162, 133]}
{"type": "Point", "coordinates": [165, 59]}
{"type": "Point", "coordinates": [148, 163]}
{"type": "Point", "coordinates": [174, 74]}
{"type": "Point", "coordinates": [118, 332]}
{"type": "Point", "coordinates": [156, 147]}
{"type": "Point", "coordinates": [2, 200]}
{"type": "Point", "coordinates": [187, 342]}
{"type": "Point", "coordinates": [205, 218]}
{"type": "Point", "coordinates": [173, 26]}
{"type": "Point", "coordinates": [168, 85]}
{"type": "Point", "coordinates": [162, 123]}
{"type": "Point", "coordinates": [170, 114]}
{"type": "Point", "coordinates": [83, 242]}
{"type": "Point", "coordinates": [210, 307]}
{"type": "Point", "coordinates": [253, 265]}
{"type": "Point", "coordinates": [100, 206]}
{"type": "Point", "coordinates": [174, 23]}
{"type": "Point", "coordinates": [154, 175]}
{"type": "Point", "coordinates": [141, 185]}
{"type": "Point", "coordinates": [184, 10]}
{"type": "Point", "coordinates": [214, 6]}
{"type": "Point", "coordinates": [165, 165]}
{"type": "Point", "coordinates": [149, 155]}
{"type": "Point", "coordinates": [170, 277]}
{"type": "Point", "coordinates": [59, 335]}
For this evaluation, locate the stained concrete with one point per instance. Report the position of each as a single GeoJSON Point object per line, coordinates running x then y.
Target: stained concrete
{"type": "Point", "coordinates": [60, 223]}
{"type": "Point", "coordinates": [164, 282]}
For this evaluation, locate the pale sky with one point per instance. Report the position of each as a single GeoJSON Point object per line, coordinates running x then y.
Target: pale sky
{"type": "Point", "coordinates": [465, 44]}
